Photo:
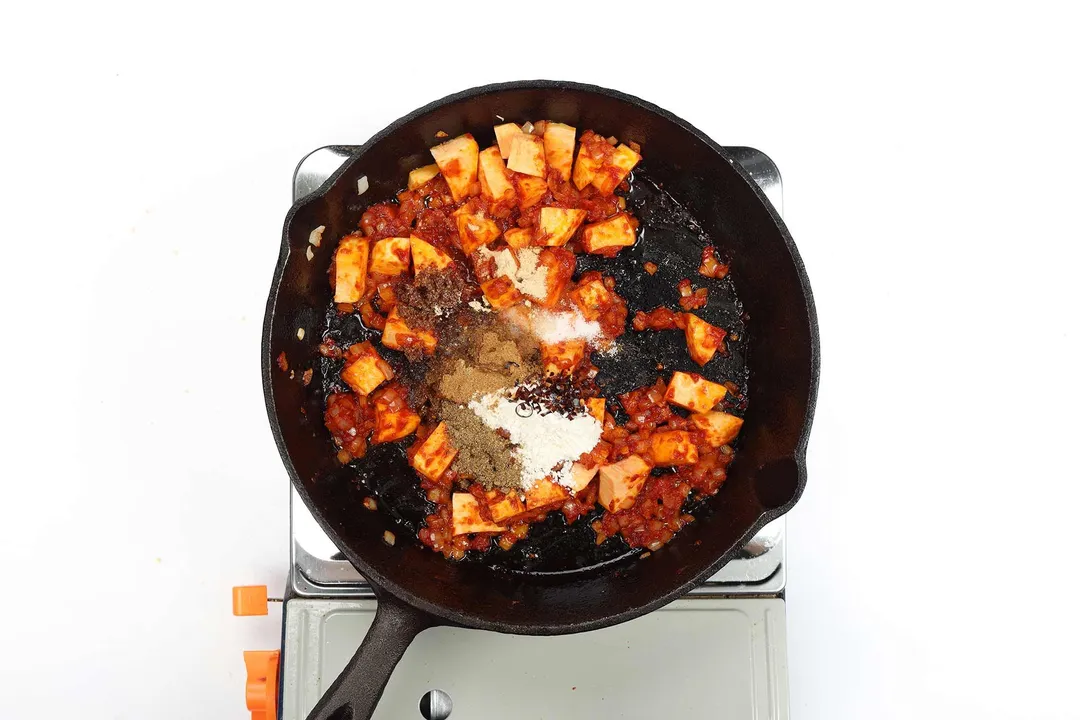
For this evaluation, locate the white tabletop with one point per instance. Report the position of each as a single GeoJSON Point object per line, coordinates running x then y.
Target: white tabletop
{"type": "Point", "coordinates": [929, 157]}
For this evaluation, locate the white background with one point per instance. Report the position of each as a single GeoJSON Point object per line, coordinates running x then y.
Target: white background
{"type": "Point", "coordinates": [929, 155]}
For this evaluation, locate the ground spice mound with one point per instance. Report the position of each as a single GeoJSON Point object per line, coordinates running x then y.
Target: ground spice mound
{"type": "Point", "coordinates": [432, 296]}
{"type": "Point", "coordinates": [461, 381]}
{"type": "Point", "coordinates": [512, 358]}
{"type": "Point", "coordinates": [488, 358]}
{"type": "Point", "coordinates": [483, 454]}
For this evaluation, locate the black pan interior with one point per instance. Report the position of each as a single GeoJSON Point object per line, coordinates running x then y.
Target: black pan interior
{"type": "Point", "coordinates": [672, 239]}
{"type": "Point", "coordinates": [779, 339]}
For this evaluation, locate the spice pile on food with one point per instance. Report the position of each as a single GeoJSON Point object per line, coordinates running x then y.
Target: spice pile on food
{"type": "Point", "coordinates": [488, 335]}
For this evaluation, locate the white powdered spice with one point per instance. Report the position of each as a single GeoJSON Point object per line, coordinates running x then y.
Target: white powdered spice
{"type": "Point", "coordinates": [543, 441]}
{"type": "Point", "coordinates": [504, 261]}
{"type": "Point", "coordinates": [479, 306]}
{"type": "Point", "coordinates": [531, 276]}
{"type": "Point", "coordinates": [552, 327]}
{"type": "Point", "coordinates": [527, 274]}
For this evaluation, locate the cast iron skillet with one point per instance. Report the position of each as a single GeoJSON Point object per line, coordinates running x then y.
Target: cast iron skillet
{"type": "Point", "coordinates": [577, 591]}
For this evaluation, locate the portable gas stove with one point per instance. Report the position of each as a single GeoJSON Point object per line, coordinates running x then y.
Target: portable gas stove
{"type": "Point", "coordinates": [720, 651]}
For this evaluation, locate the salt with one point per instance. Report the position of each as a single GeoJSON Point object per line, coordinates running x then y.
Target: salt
{"type": "Point", "coordinates": [553, 327]}
{"type": "Point", "coordinates": [543, 441]}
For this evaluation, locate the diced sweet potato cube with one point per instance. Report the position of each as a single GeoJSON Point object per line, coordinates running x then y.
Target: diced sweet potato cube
{"type": "Point", "coordinates": [609, 236]}
{"type": "Point", "coordinates": [504, 134]}
{"type": "Point", "coordinates": [559, 148]}
{"type": "Point", "coordinates": [545, 493]}
{"type": "Point", "coordinates": [393, 417]}
{"type": "Point", "coordinates": [457, 161]}
{"type": "Point", "coordinates": [527, 155]}
{"type": "Point", "coordinates": [530, 190]}
{"type": "Point", "coordinates": [504, 506]}
{"type": "Point", "coordinates": [560, 264]}
{"type": "Point", "coordinates": [368, 371]}
{"type": "Point", "coordinates": [467, 518]}
{"type": "Point", "coordinates": [615, 169]}
{"type": "Point", "coordinates": [518, 238]}
{"type": "Point", "coordinates": [390, 256]}
{"type": "Point", "coordinates": [591, 298]}
{"type": "Point", "coordinates": [591, 153]}
{"type": "Point", "coordinates": [719, 427]}
{"type": "Point", "coordinates": [597, 406]}
{"type": "Point", "coordinates": [673, 447]}
{"type": "Point", "coordinates": [421, 175]}
{"type": "Point", "coordinates": [501, 292]}
{"type": "Point", "coordinates": [425, 255]}
{"type": "Point", "coordinates": [702, 339]}
{"type": "Point", "coordinates": [390, 426]}
{"type": "Point", "coordinates": [580, 477]}
{"type": "Point", "coordinates": [399, 336]}
{"type": "Point", "coordinates": [494, 181]}
{"type": "Point", "coordinates": [350, 268]}
{"type": "Point", "coordinates": [621, 482]}
{"type": "Point", "coordinates": [693, 392]}
{"type": "Point", "coordinates": [387, 296]}
{"type": "Point", "coordinates": [558, 225]}
{"type": "Point", "coordinates": [584, 169]}
{"type": "Point", "coordinates": [475, 230]}
{"type": "Point", "coordinates": [435, 454]}
{"type": "Point", "coordinates": [562, 357]}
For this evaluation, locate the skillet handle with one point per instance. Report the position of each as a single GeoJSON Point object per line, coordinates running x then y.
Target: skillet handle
{"type": "Point", "coordinates": [356, 692]}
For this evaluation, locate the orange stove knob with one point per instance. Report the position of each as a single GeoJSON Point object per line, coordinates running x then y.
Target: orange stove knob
{"type": "Point", "coordinates": [261, 689]}
{"type": "Point", "coordinates": [249, 600]}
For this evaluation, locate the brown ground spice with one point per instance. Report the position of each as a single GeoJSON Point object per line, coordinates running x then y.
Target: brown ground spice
{"type": "Point", "coordinates": [460, 382]}
{"type": "Point", "coordinates": [497, 353]}
{"type": "Point", "coordinates": [496, 363]}
{"type": "Point", "coordinates": [487, 358]}
{"type": "Point", "coordinates": [483, 454]}
{"type": "Point", "coordinates": [430, 297]}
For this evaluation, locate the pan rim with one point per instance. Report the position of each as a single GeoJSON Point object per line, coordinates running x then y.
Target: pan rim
{"type": "Point", "coordinates": [382, 583]}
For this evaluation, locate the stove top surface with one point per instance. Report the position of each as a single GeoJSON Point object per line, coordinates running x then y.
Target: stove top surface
{"type": "Point", "coordinates": [701, 657]}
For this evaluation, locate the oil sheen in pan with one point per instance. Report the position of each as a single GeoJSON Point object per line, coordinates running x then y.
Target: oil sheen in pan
{"type": "Point", "coordinates": [670, 237]}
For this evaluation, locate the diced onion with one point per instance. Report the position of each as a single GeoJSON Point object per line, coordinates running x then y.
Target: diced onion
{"type": "Point", "coordinates": [362, 184]}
